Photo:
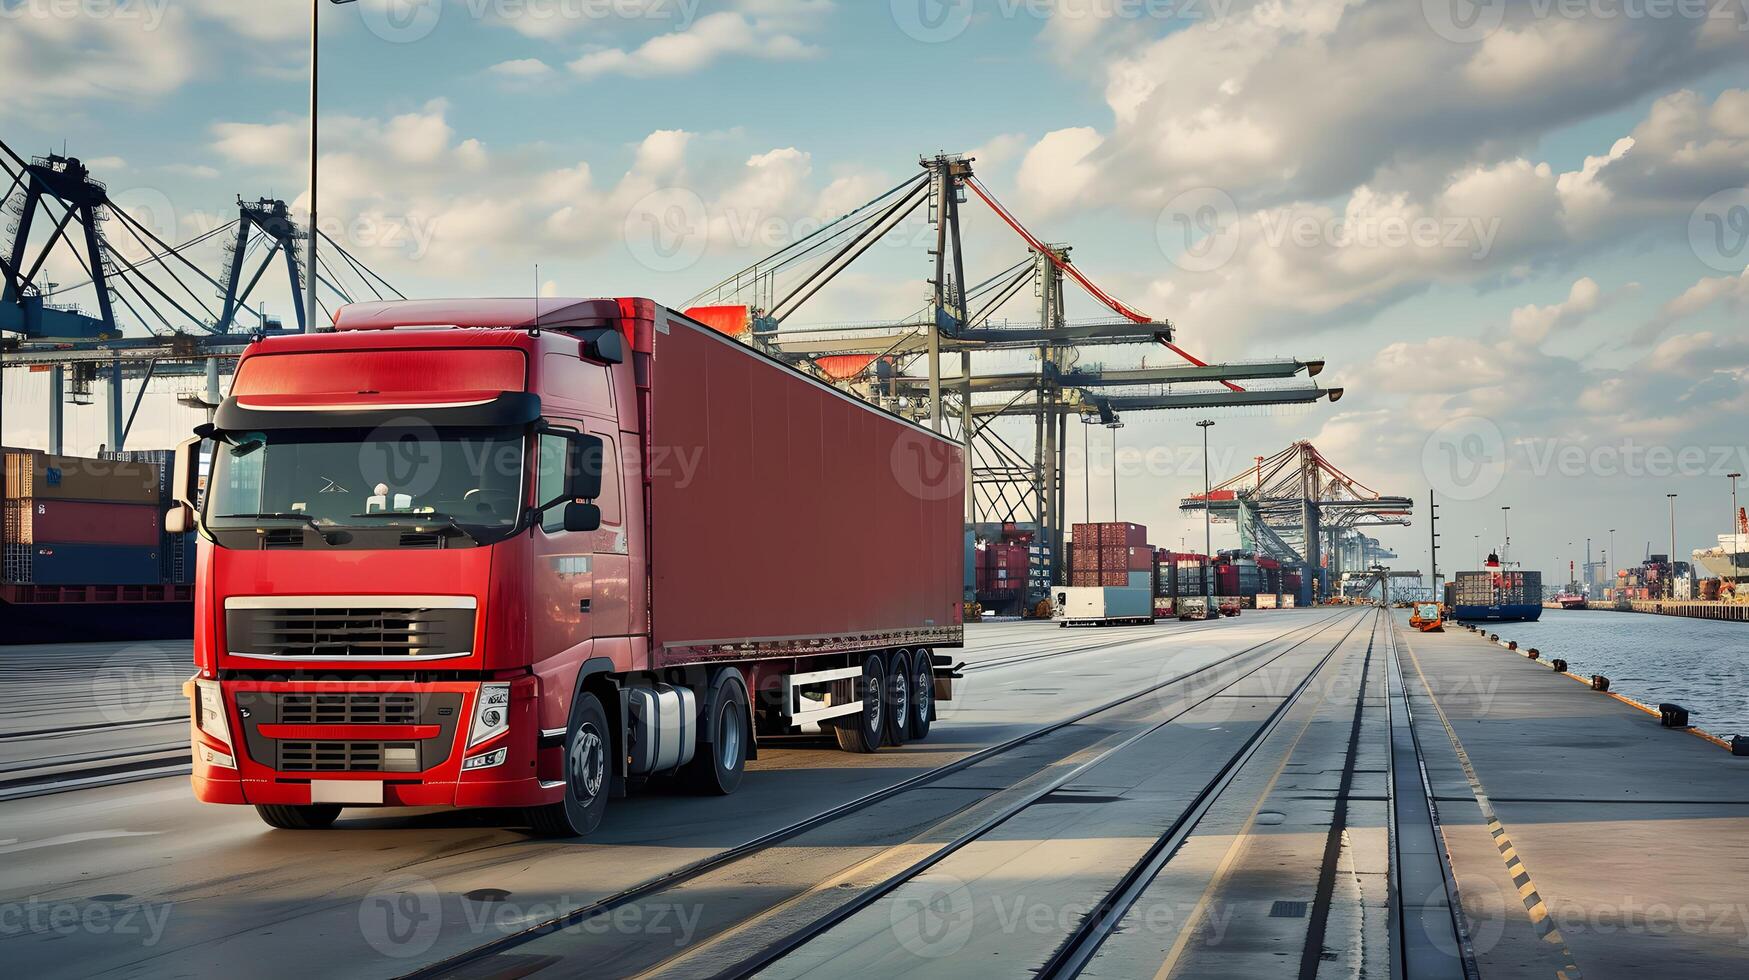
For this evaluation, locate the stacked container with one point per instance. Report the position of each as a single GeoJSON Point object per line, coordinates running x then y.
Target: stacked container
{"type": "Point", "coordinates": [176, 551]}
{"type": "Point", "coordinates": [75, 521]}
{"type": "Point", "coordinates": [1110, 555]}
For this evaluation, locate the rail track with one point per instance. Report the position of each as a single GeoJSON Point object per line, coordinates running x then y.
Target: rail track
{"type": "Point", "coordinates": [1197, 687]}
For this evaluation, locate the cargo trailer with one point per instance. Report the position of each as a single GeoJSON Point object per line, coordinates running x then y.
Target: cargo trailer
{"type": "Point", "coordinates": [1129, 605]}
{"type": "Point", "coordinates": [496, 553]}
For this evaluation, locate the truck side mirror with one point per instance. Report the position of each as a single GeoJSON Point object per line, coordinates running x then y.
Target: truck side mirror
{"type": "Point", "coordinates": [184, 487]}
{"type": "Point", "coordinates": [605, 347]}
{"type": "Point", "coordinates": [583, 459]}
{"type": "Point", "coordinates": [582, 517]}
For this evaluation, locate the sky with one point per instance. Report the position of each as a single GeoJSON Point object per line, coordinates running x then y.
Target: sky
{"type": "Point", "coordinates": [1517, 232]}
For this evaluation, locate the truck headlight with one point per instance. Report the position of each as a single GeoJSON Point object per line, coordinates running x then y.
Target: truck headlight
{"type": "Point", "coordinates": [209, 712]}
{"type": "Point", "coordinates": [491, 713]}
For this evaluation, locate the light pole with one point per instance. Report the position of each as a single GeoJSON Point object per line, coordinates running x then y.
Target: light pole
{"type": "Point", "coordinates": [1208, 548]}
{"type": "Point", "coordinates": [1478, 543]}
{"type": "Point", "coordinates": [1506, 529]}
{"type": "Point", "coordinates": [310, 275]}
{"type": "Point", "coordinates": [1736, 532]}
{"type": "Point", "coordinates": [1609, 569]}
{"type": "Point", "coordinates": [1114, 426]}
{"type": "Point", "coordinates": [1670, 579]}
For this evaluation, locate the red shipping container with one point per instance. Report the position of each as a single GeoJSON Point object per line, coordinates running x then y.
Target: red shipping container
{"type": "Point", "coordinates": [1140, 559]}
{"type": "Point", "coordinates": [1122, 533]}
{"type": "Point", "coordinates": [41, 521]}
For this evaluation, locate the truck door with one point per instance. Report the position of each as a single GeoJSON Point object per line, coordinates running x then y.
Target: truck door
{"type": "Point", "coordinates": [581, 575]}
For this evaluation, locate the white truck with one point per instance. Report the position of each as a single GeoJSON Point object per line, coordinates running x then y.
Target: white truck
{"type": "Point", "coordinates": [1103, 605]}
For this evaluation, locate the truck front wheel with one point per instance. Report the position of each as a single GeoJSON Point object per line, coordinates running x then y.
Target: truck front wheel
{"type": "Point", "coordinates": [863, 731]}
{"type": "Point", "coordinates": [318, 816]}
{"type": "Point", "coordinates": [588, 747]}
{"type": "Point", "coordinates": [718, 765]}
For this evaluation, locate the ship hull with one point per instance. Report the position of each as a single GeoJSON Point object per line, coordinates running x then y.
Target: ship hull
{"type": "Point", "coordinates": [1511, 613]}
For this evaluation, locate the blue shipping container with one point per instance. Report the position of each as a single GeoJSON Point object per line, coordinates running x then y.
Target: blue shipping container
{"type": "Point", "coordinates": [95, 564]}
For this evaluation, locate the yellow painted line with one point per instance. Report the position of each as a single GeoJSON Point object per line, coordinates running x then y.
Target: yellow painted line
{"type": "Point", "coordinates": [1534, 907]}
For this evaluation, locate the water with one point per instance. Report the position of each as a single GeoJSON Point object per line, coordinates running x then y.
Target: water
{"type": "Point", "coordinates": [1701, 664]}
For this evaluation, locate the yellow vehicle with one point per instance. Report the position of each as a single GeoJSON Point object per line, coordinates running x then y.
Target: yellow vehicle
{"type": "Point", "coordinates": [1427, 617]}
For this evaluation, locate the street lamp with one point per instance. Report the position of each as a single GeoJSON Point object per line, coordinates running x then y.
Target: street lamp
{"type": "Point", "coordinates": [310, 275]}
{"type": "Point", "coordinates": [1208, 548]}
{"type": "Point", "coordinates": [1506, 529]}
{"type": "Point", "coordinates": [1736, 531]}
{"type": "Point", "coordinates": [1670, 577]}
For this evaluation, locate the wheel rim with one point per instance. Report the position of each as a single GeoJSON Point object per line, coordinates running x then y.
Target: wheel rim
{"type": "Point", "coordinates": [901, 696]}
{"type": "Point", "coordinates": [871, 698]}
{"type": "Point", "coordinates": [729, 740]}
{"type": "Point", "coordinates": [925, 691]}
{"type": "Point", "coordinates": [588, 763]}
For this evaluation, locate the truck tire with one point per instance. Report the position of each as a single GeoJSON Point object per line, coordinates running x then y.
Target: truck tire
{"type": "Point", "coordinates": [922, 693]}
{"type": "Point", "coordinates": [317, 816]}
{"type": "Point", "coordinates": [588, 747]}
{"type": "Point", "coordinates": [718, 765]}
{"type": "Point", "coordinates": [862, 732]}
{"type": "Point", "coordinates": [898, 706]}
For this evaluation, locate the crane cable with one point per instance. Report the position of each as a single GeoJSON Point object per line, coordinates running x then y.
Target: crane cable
{"type": "Point", "coordinates": [1063, 265]}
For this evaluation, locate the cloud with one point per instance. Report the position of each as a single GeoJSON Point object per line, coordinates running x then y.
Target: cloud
{"type": "Point", "coordinates": [1056, 172]}
{"type": "Point", "coordinates": [1329, 265]}
{"type": "Point", "coordinates": [521, 68]}
{"type": "Point", "coordinates": [696, 47]}
{"type": "Point", "coordinates": [259, 144]}
{"type": "Point", "coordinates": [1729, 292]}
{"type": "Point", "coordinates": [1293, 99]}
{"type": "Point", "coordinates": [50, 61]}
{"type": "Point", "coordinates": [1532, 324]}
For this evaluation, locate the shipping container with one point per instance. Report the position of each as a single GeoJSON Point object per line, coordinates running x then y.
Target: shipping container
{"type": "Point", "coordinates": [82, 522]}
{"type": "Point", "coordinates": [92, 564]}
{"type": "Point", "coordinates": [1098, 606]}
{"type": "Point", "coordinates": [42, 476]}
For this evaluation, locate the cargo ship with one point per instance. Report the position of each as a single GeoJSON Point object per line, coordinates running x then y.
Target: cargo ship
{"type": "Point", "coordinates": [1729, 559]}
{"type": "Point", "coordinates": [85, 556]}
{"type": "Point", "coordinates": [1495, 594]}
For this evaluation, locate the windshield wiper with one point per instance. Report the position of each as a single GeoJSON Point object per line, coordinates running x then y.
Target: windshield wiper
{"type": "Point", "coordinates": [287, 516]}
{"type": "Point", "coordinates": [445, 522]}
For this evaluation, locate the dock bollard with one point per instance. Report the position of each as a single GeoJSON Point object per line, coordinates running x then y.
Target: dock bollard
{"type": "Point", "coordinates": [1494, 637]}
{"type": "Point", "coordinates": [1599, 682]}
{"type": "Point", "coordinates": [1511, 644]}
{"type": "Point", "coordinates": [1672, 715]}
{"type": "Point", "coordinates": [1557, 663]}
{"type": "Point", "coordinates": [1740, 744]}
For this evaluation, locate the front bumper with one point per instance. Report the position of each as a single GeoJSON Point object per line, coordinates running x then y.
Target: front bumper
{"type": "Point", "coordinates": [289, 737]}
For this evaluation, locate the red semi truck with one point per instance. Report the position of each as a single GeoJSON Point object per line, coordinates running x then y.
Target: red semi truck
{"type": "Point", "coordinates": [510, 553]}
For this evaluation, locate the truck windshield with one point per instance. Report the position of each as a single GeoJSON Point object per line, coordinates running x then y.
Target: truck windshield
{"type": "Point", "coordinates": [329, 478]}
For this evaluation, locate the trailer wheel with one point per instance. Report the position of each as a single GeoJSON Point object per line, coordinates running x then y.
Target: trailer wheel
{"type": "Point", "coordinates": [317, 816]}
{"type": "Point", "coordinates": [862, 731]}
{"type": "Point", "coordinates": [898, 706]}
{"type": "Point", "coordinates": [922, 693]}
{"type": "Point", "coordinates": [588, 747]}
{"type": "Point", "coordinates": [718, 765]}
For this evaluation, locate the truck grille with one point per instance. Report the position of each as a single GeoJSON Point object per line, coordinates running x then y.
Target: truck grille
{"type": "Point", "coordinates": [348, 757]}
{"type": "Point", "coordinates": [362, 631]}
{"type": "Point", "coordinates": [348, 709]}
